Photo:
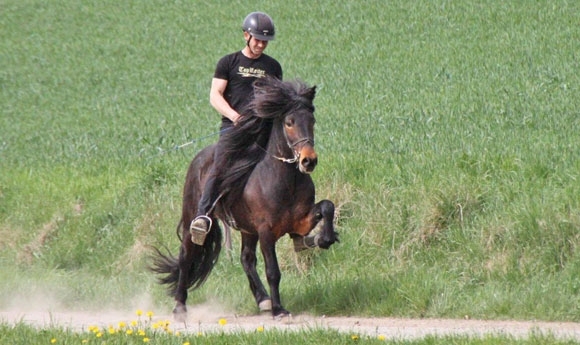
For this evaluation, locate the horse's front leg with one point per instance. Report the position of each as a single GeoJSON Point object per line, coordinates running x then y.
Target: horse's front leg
{"type": "Point", "coordinates": [322, 211]}
{"type": "Point", "coordinates": [327, 236]}
{"type": "Point", "coordinates": [248, 259]}
{"type": "Point", "coordinates": [268, 247]}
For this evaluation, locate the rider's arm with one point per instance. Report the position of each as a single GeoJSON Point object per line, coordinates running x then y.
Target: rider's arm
{"type": "Point", "coordinates": [217, 100]}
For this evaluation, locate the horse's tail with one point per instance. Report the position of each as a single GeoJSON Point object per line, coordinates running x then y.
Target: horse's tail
{"type": "Point", "coordinates": [194, 262]}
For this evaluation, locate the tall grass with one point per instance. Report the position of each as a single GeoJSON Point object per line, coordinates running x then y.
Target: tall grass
{"type": "Point", "coordinates": [447, 134]}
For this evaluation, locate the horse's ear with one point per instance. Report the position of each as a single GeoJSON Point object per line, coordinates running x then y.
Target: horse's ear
{"type": "Point", "coordinates": [310, 93]}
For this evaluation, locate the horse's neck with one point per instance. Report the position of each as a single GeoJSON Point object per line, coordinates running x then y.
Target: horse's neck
{"type": "Point", "coordinates": [276, 150]}
{"type": "Point", "coordinates": [277, 144]}
{"type": "Point", "coordinates": [281, 182]}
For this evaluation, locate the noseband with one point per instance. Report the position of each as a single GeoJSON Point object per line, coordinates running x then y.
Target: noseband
{"type": "Point", "coordinates": [292, 146]}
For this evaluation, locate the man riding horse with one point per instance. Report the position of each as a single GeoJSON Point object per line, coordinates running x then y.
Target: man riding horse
{"type": "Point", "coordinates": [230, 94]}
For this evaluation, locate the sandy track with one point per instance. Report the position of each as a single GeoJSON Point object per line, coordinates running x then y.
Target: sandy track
{"type": "Point", "coordinates": [202, 319]}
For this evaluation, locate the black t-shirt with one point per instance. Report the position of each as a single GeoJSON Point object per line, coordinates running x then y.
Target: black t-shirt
{"type": "Point", "coordinates": [241, 72]}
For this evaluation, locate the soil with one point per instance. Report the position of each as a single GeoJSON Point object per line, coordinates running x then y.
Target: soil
{"type": "Point", "coordinates": [206, 319]}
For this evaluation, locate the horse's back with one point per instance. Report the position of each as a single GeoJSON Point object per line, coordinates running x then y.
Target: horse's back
{"type": "Point", "coordinates": [201, 164]}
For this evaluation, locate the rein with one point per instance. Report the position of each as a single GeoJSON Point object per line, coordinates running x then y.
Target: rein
{"type": "Point", "coordinates": [178, 147]}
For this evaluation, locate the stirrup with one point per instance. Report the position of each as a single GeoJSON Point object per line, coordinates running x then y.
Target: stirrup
{"type": "Point", "coordinates": [199, 229]}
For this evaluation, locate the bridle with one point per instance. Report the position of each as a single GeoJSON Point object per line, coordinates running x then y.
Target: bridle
{"type": "Point", "coordinates": [292, 146]}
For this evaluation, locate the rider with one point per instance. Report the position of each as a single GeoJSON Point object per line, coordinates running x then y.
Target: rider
{"type": "Point", "coordinates": [232, 91]}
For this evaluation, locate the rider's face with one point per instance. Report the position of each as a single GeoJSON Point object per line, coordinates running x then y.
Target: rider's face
{"type": "Point", "coordinates": [256, 46]}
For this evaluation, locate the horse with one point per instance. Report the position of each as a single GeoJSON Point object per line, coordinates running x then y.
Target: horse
{"type": "Point", "coordinates": [267, 193]}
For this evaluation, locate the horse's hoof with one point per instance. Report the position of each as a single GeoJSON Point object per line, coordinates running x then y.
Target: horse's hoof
{"type": "Point", "coordinates": [180, 317]}
{"type": "Point", "coordinates": [281, 314]}
{"type": "Point", "coordinates": [180, 313]}
{"type": "Point", "coordinates": [265, 305]}
{"type": "Point", "coordinates": [325, 242]}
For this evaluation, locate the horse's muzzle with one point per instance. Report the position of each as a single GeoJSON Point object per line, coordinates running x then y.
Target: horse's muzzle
{"type": "Point", "coordinates": [307, 164]}
{"type": "Point", "coordinates": [307, 159]}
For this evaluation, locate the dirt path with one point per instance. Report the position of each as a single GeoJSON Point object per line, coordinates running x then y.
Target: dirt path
{"type": "Point", "coordinates": [203, 319]}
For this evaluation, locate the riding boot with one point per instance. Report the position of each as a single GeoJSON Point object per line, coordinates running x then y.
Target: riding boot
{"type": "Point", "coordinates": [201, 225]}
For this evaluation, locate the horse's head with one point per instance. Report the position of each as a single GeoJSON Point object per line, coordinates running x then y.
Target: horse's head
{"type": "Point", "coordinates": [299, 133]}
{"type": "Point", "coordinates": [291, 106]}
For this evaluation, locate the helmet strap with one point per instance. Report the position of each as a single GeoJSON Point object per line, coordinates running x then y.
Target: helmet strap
{"type": "Point", "coordinates": [248, 45]}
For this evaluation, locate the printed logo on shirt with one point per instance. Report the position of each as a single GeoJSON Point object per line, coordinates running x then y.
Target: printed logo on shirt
{"type": "Point", "coordinates": [251, 72]}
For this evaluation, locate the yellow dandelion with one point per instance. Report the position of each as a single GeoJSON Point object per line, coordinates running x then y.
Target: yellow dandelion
{"type": "Point", "coordinates": [222, 322]}
{"type": "Point", "coordinates": [141, 332]}
{"type": "Point", "coordinates": [155, 325]}
{"type": "Point", "coordinates": [134, 323]}
{"type": "Point", "coordinates": [112, 330]}
{"type": "Point", "coordinates": [260, 329]}
{"type": "Point", "coordinates": [98, 334]}
{"type": "Point", "coordinates": [93, 329]}
{"type": "Point", "coordinates": [177, 333]}
{"type": "Point", "coordinates": [149, 314]}
{"type": "Point", "coordinates": [145, 340]}
{"type": "Point", "coordinates": [354, 337]}
{"type": "Point", "coordinates": [186, 343]}
{"type": "Point", "coordinates": [381, 337]}
{"type": "Point", "coordinates": [122, 325]}
{"type": "Point", "coordinates": [53, 341]}
{"type": "Point", "coordinates": [129, 331]}
{"type": "Point", "coordinates": [200, 334]}
{"type": "Point", "coordinates": [139, 312]}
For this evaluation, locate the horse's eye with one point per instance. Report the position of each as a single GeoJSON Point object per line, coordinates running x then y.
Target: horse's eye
{"type": "Point", "coordinates": [289, 121]}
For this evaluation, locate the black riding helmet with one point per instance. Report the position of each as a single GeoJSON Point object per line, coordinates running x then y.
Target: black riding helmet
{"type": "Point", "coordinates": [259, 25]}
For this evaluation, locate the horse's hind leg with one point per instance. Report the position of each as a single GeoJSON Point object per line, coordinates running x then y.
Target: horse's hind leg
{"type": "Point", "coordinates": [180, 310]}
{"type": "Point", "coordinates": [248, 259]}
{"type": "Point", "coordinates": [185, 262]}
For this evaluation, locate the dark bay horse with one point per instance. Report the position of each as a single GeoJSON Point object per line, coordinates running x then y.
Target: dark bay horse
{"type": "Point", "coordinates": [267, 193]}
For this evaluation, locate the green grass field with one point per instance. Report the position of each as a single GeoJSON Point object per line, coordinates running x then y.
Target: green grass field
{"type": "Point", "coordinates": [133, 335]}
{"type": "Point", "coordinates": [447, 134]}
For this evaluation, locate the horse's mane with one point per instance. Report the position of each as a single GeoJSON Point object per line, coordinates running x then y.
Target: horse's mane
{"type": "Point", "coordinates": [244, 145]}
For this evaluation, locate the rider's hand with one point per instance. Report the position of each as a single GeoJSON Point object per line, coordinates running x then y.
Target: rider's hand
{"type": "Point", "coordinates": [237, 119]}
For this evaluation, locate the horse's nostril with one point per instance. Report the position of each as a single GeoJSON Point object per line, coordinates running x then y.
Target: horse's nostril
{"type": "Point", "coordinates": [309, 162]}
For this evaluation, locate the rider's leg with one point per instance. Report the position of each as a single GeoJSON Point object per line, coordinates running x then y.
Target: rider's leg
{"type": "Point", "coordinates": [202, 222]}
{"type": "Point", "coordinates": [208, 197]}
